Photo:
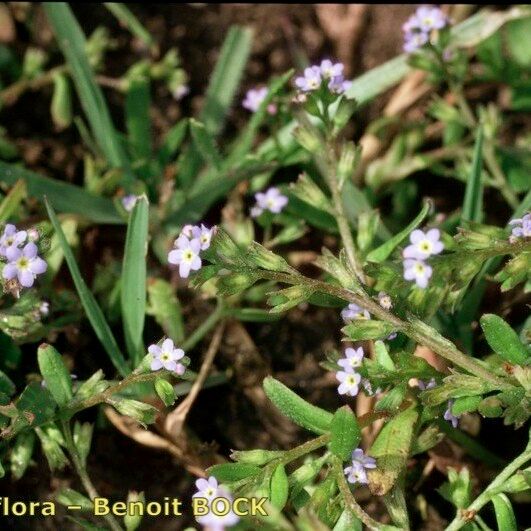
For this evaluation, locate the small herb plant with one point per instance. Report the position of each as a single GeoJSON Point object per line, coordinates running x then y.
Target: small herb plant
{"type": "Point", "coordinates": [418, 355]}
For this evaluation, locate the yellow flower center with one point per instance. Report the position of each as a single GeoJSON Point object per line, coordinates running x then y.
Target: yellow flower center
{"type": "Point", "coordinates": [425, 246]}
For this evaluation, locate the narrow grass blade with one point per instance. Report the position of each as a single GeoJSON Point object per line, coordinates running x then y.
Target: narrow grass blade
{"type": "Point", "coordinates": [72, 42]}
{"type": "Point", "coordinates": [64, 197]}
{"type": "Point", "coordinates": [219, 96]}
{"type": "Point", "coordinates": [92, 309]}
{"type": "Point", "coordinates": [127, 19]}
{"type": "Point", "coordinates": [381, 253]}
{"type": "Point", "coordinates": [133, 288]}
{"type": "Point", "coordinates": [473, 200]}
{"type": "Point", "coordinates": [205, 144]}
{"type": "Point", "coordinates": [137, 119]}
{"type": "Point", "coordinates": [12, 200]}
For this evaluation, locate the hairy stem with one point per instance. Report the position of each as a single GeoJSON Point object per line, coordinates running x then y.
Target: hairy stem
{"type": "Point", "coordinates": [463, 515]}
{"type": "Point", "coordinates": [350, 501]}
{"type": "Point", "coordinates": [83, 474]}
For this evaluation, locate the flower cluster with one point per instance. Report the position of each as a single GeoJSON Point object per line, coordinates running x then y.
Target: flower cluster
{"type": "Point", "coordinates": [357, 471]}
{"type": "Point", "coordinates": [192, 240]}
{"type": "Point", "coordinates": [418, 27]}
{"type": "Point", "coordinates": [166, 356]}
{"type": "Point", "coordinates": [328, 72]}
{"type": "Point", "coordinates": [218, 497]}
{"type": "Point", "coordinates": [521, 227]}
{"type": "Point", "coordinates": [349, 380]}
{"type": "Point", "coordinates": [271, 200]}
{"type": "Point", "coordinates": [423, 245]}
{"type": "Point", "coordinates": [23, 263]}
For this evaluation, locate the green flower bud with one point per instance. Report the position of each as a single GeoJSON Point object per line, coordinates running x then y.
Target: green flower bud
{"type": "Point", "coordinates": [165, 391]}
{"type": "Point", "coordinates": [72, 497]}
{"type": "Point", "coordinates": [94, 385]}
{"type": "Point", "coordinates": [258, 255]}
{"type": "Point", "coordinates": [140, 411]}
{"type": "Point", "coordinates": [306, 190]}
{"type": "Point", "coordinates": [348, 160]}
{"type": "Point", "coordinates": [61, 106]}
{"type": "Point", "coordinates": [308, 138]}
{"type": "Point", "coordinates": [255, 457]}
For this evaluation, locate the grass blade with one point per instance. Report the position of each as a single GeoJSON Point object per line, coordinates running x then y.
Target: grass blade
{"type": "Point", "coordinates": [127, 19]}
{"type": "Point", "coordinates": [12, 200]}
{"type": "Point", "coordinates": [133, 289]}
{"type": "Point", "coordinates": [381, 253]}
{"type": "Point", "coordinates": [63, 196]}
{"type": "Point", "coordinates": [72, 42]}
{"type": "Point", "coordinates": [473, 200]}
{"type": "Point", "coordinates": [219, 96]}
{"type": "Point", "coordinates": [226, 78]}
{"type": "Point", "coordinates": [137, 119]}
{"type": "Point", "coordinates": [92, 309]}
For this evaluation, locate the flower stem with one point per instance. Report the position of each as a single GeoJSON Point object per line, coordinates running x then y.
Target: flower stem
{"type": "Point", "coordinates": [83, 474]}
{"type": "Point", "coordinates": [463, 515]}
{"type": "Point", "coordinates": [204, 327]}
{"type": "Point", "coordinates": [350, 501]}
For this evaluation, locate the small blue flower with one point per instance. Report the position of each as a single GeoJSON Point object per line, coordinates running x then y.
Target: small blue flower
{"type": "Point", "coordinates": [215, 519]}
{"type": "Point", "coordinates": [186, 256]}
{"type": "Point", "coordinates": [424, 244]}
{"type": "Point", "coordinates": [166, 356]}
{"type": "Point", "coordinates": [129, 201]}
{"type": "Point", "coordinates": [418, 271]}
{"type": "Point", "coordinates": [352, 360]}
{"type": "Point", "coordinates": [423, 386]}
{"type": "Point", "coordinates": [357, 471]}
{"type": "Point", "coordinates": [311, 80]}
{"type": "Point", "coordinates": [449, 416]}
{"type": "Point", "coordinates": [353, 312]}
{"type": "Point", "coordinates": [521, 227]}
{"type": "Point", "coordinates": [271, 200]}
{"type": "Point", "coordinates": [254, 98]}
{"type": "Point", "coordinates": [348, 382]}
{"type": "Point", "coordinates": [11, 239]}
{"type": "Point", "coordinates": [418, 27]}
{"type": "Point", "coordinates": [24, 265]}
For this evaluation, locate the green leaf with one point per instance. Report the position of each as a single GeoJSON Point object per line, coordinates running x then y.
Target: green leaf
{"type": "Point", "coordinates": [363, 329]}
{"type": "Point", "coordinates": [6, 385]}
{"type": "Point", "coordinates": [172, 141]}
{"type": "Point", "coordinates": [133, 285]}
{"type": "Point", "coordinates": [391, 448]}
{"type": "Point", "coordinates": [382, 356]}
{"type": "Point", "coordinates": [61, 106]}
{"type": "Point", "coordinates": [12, 200]}
{"type": "Point", "coordinates": [503, 509]}
{"type": "Point", "coordinates": [62, 196]}
{"type": "Point", "coordinates": [518, 37]}
{"type": "Point", "coordinates": [55, 374]}
{"type": "Point", "coordinates": [503, 339]}
{"type": "Point", "coordinates": [164, 306]}
{"type": "Point", "coordinates": [36, 404]}
{"type": "Point", "coordinates": [68, 496]}
{"type": "Point", "coordinates": [279, 487]}
{"type": "Point", "coordinates": [295, 408]}
{"type": "Point", "coordinates": [465, 404]}
{"type": "Point", "coordinates": [381, 253]}
{"type": "Point", "coordinates": [82, 439]}
{"type": "Point", "coordinates": [51, 447]}
{"type": "Point", "coordinates": [205, 144]}
{"type": "Point", "coordinates": [21, 453]}
{"type": "Point", "coordinates": [137, 120]}
{"type": "Point", "coordinates": [345, 433]}
{"type": "Point", "coordinates": [72, 42]}
{"type": "Point", "coordinates": [473, 201]}
{"type": "Point", "coordinates": [92, 309]}
{"type": "Point", "coordinates": [229, 472]}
